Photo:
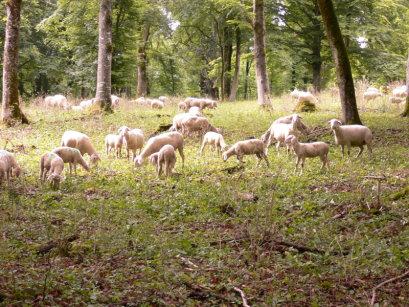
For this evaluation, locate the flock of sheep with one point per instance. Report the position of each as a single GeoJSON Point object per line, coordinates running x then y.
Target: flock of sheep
{"type": "Point", "coordinates": [161, 149]}
{"type": "Point", "coordinates": [398, 94]}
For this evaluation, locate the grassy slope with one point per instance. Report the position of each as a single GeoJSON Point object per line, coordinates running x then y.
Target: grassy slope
{"type": "Point", "coordinates": [192, 238]}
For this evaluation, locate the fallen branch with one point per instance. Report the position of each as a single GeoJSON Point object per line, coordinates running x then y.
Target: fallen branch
{"type": "Point", "coordinates": [44, 249]}
{"type": "Point", "coordinates": [384, 283]}
{"type": "Point", "coordinates": [243, 296]}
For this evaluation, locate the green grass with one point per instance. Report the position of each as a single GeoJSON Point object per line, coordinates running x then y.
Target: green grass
{"type": "Point", "coordinates": [190, 239]}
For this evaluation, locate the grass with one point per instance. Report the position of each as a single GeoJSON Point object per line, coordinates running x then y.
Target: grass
{"type": "Point", "coordinates": [192, 238]}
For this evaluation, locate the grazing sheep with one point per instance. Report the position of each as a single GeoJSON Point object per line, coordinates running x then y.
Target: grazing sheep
{"type": "Point", "coordinates": [141, 100]}
{"type": "Point", "coordinates": [51, 162]}
{"type": "Point", "coordinates": [86, 103]}
{"type": "Point", "coordinates": [248, 147]}
{"type": "Point", "coordinates": [156, 103]}
{"type": "Point", "coordinates": [72, 156]}
{"type": "Point", "coordinates": [164, 99]}
{"type": "Point", "coordinates": [196, 124]}
{"type": "Point", "coordinates": [280, 131]}
{"type": "Point", "coordinates": [166, 160]}
{"type": "Point", "coordinates": [371, 94]}
{"type": "Point", "coordinates": [202, 103]}
{"type": "Point", "coordinates": [298, 124]}
{"type": "Point", "coordinates": [182, 106]}
{"type": "Point", "coordinates": [308, 150]}
{"type": "Point", "coordinates": [58, 101]}
{"type": "Point", "coordinates": [177, 121]}
{"type": "Point", "coordinates": [82, 142]}
{"type": "Point", "coordinates": [400, 92]}
{"type": "Point", "coordinates": [115, 101]}
{"type": "Point", "coordinates": [77, 108]}
{"type": "Point", "coordinates": [155, 143]}
{"type": "Point", "coordinates": [215, 139]}
{"type": "Point", "coordinates": [153, 159]}
{"type": "Point", "coordinates": [9, 166]}
{"type": "Point", "coordinates": [302, 96]}
{"type": "Point", "coordinates": [134, 140]}
{"type": "Point", "coordinates": [351, 136]}
{"type": "Point", "coordinates": [115, 142]}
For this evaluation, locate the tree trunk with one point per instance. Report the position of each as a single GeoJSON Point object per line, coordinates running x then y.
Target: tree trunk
{"type": "Point", "coordinates": [316, 51]}
{"type": "Point", "coordinates": [11, 112]}
{"type": "Point", "coordinates": [226, 63]}
{"type": "Point", "coordinates": [142, 88]}
{"type": "Point", "coordinates": [350, 113]}
{"type": "Point", "coordinates": [406, 110]}
{"type": "Point", "coordinates": [246, 80]}
{"type": "Point", "coordinates": [263, 90]}
{"type": "Point", "coordinates": [103, 95]}
{"type": "Point", "coordinates": [235, 82]}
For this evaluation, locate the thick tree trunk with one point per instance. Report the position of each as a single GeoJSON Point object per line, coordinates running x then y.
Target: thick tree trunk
{"type": "Point", "coordinates": [235, 82]}
{"type": "Point", "coordinates": [316, 51]}
{"type": "Point", "coordinates": [142, 88]}
{"type": "Point", "coordinates": [103, 95]}
{"type": "Point", "coordinates": [350, 113]}
{"type": "Point", "coordinates": [226, 62]}
{"type": "Point", "coordinates": [406, 110]}
{"type": "Point", "coordinates": [263, 90]}
{"type": "Point", "coordinates": [11, 112]}
{"type": "Point", "coordinates": [246, 80]}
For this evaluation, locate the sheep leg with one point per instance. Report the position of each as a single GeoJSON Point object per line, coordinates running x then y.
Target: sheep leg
{"type": "Point", "coordinates": [369, 147]}
{"type": "Point", "coordinates": [202, 148]}
{"type": "Point", "coordinates": [342, 149]}
{"type": "Point", "coordinates": [349, 150]}
{"type": "Point", "coordinates": [180, 149]}
{"type": "Point", "coordinates": [70, 168]}
{"type": "Point", "coordinates": [361, 149]}
{"type": "Point", "coordinates": [159, 169]}
{"type": "Point", "coordinates": [296, 164]}
{"type": "Point", "coordinates": [107, 149]}
{"type": "Point", "coordinates": [302, 165]}
{"type": "Point", "coordinates": [278, 148]}
{"type": "Point", "coordinates": [266, 159]}
{"type": "Point", "coordinates": [240, 158]}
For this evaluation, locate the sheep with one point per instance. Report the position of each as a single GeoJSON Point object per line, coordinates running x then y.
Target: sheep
{"type": "Point", "coordinates": [215, 139]}
{"type": "Point", "coordinates": [397, 100]}
{"type": "Point", "coordinates": [51, 162]}
{"type": "Point", "coordinates": [400, 92]}
{"type": "Point", "coordinates": [164, 99]}
{"type": "Point", "coordinates": [156, 104]}
{"type": "Point", "coordinates": [59, 101]}
{"type": "Point", "coordinates": [9, 166]}
{"type": "Point", "coordinates": [247, 147]}
{"type": "Point", "coordinates": [115, 142]}
{"type": "Point", "coordinates": [77, 108]}
{"type": "Point", "coordinates": [177, 121]}
{"type": "Point", "coordinates": [299, 125]}
{"type": "Point", "coordinates": [182, 106]}
{"type": "Point", "coordinates": [134, 140]}
{"type": "Point", "coordinates": [279, 130]}
{"type": "Point", "coordinates": [115, 101]}
{"type": "Point", "coordinates": [82, 142]}
{"type": "Point", "coordinates": [155, 143]}
{"type": "Point", "coordinates": [308, 150]}
{"type": "Point", "coordinates": [302, 96]}
{"type": "Point", "coordinates": [196, 124]}
{"type": "Point", "coordinates": [141, 100]}
{"type": "Point", "coordinates": [87, 103]}
{"type": "Point", "coordinates": [351, 136]}
{"type": "Point", "coordinates": [195, 111]}
{"type": "Point", "coordinates": [72, 156]}
{"type": "Point", "coordinates": [371, 93]}
{"type": "Point", "coordinates": [202, 103]}
{"type": "Point", "coordinates": [166, 159]}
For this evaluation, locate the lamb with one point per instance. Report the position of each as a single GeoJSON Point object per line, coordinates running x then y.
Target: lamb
{"type": "Point", "coordinates": [59, 101]}
{"type": "Point", "coordinates": [166, 159]}
{"type": "Point", "coordinates": [9, 166]}
{"type": "Point", "coordinates": [134, 140]}
{"type": "Point", "coordinates": [215, 139]}
{"type": "Point", "coordinates": [248, 147]}
{"type": "Point", "coordinates": [72, 156]}
{"type": "Point", "coordinates": [155, 143]}
{"type": "Point", "coordinates": [51, 162]}
{"type": "Point", "coordinates": [82, 142]}
{"type": "Point", "coordinates": [308, 150]}
{"type": "Point", "coordinates": [351, 136]}
{"type": "Point", "coordinates": [280, 131]}
{"type": "Point", "coordinates": [195, 111]}
{"type": "Point", "coordinates": [115, 101]}
{"type": "Point", "coordinates": [115, 142]}
{"type": "Point", "coordinates": [371, 94]}
{"type": "Point", "coordinates": [400, 92]}
{"type": "Point", "coordinates": [196, 124]}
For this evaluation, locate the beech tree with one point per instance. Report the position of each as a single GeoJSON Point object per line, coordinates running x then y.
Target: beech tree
{"type": "Point", "coordinates": [406, 110]}
{"type": "Point", "coordinates": [142, 83]}
{"type": "Point", "coordinates": [350, 113]}
{"type": "Point", "coordinates": [103, 95]}
{"type": "Point", "coordinates": [11, 112]}
{"type": "Point", "coordinates": [263, 88]}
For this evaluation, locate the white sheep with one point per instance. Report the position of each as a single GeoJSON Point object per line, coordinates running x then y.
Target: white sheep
{"type": "Point", "coordinates": [164, 99]}
{"type": "Point", "coordinates": [9, 166]}
{"type": "Point", "coordinates": [86, 103]}
{"type": "Point", "coordinates": [166, 160]}
{"type": "Point", "coordinates": [155, 143]}
{"type": "Point", "coordinates": [134, 139]}
{"type": "Point", "coordinates": [72, 156]}
{"type": "Point", "coordinates": [82, 142]}
{"type": "Point", "coordinates": [156, 104]}
{"type": "Point", "coordinates": [115, 101]}
{"type": "Point", "coordinates": [53, 164]}
{"type": "Point", "coordinates": [202, 103]}
{"type": "Point", "coordinates": [197, 124]}
{"type": "Point", "coordinates": [302, 96]}
{"type": "Point", "coordinates": [280, 131]}
{"type": "Point", "coordinates": [371, 94]}
{"type": "Point", "coordinates": [351, 136]}
{"type": "Point", "coordinates": [299, 125]}
{"type": "Point", "coordinates": [400, 92]}
{"type": "Point", "coordinates": [58, 101]}
{"type": "Point", "coordinates": [248, 147]}
{"type": "Point", "coordinates": [308, 150]}
{"type": "Point", "coordinates": [77, 108]}
{"type": "Point", "coordinates": [214, 139]}
{"type": "Point", "coordinates": [195, 111]}
{"type": "Point", "coordinates": [141, 100]}
{"type": "Point", "coordinates": [177, 121]}
{"type": "Point", "coordinates": [114, 142]}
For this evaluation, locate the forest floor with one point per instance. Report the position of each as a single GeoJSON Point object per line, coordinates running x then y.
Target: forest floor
{"type": "Point", "coordinates": [117, 235]}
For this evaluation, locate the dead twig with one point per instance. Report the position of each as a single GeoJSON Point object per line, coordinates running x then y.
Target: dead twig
{"type": "Point", "coordinates": [44, 249]}
{"type": "Point", "coordinates": [384, 283]}
{"type": "Point", "coordinates": [243, 296]}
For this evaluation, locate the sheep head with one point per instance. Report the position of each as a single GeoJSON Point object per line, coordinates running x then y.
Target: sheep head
{"type": "Point", "coordinates": [95, 158]}
{"type": "Point", "coordinates": [335, 123]}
